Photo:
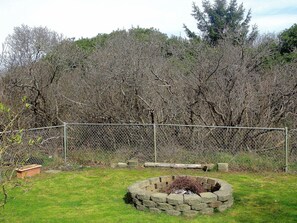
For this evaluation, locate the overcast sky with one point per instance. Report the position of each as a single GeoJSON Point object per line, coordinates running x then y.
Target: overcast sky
{"type": "Point", "coordinates": [87, 18]}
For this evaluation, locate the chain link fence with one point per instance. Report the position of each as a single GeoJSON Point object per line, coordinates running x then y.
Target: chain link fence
{"type": "Point", "coordinates": [292, 153]}
{"type": "Point", "coordinates": [244, 148]}
{"type": "Point", "coordinates": [33, 146]}
{"type": "Point", "coordinates": [109, 143]}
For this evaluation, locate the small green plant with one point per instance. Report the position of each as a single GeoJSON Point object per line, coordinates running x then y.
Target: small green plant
{"type": "Point", "coordinates": [10, 141]}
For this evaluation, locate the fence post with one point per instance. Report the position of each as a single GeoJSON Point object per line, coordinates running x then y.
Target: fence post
{"type": "Point", "coordinates": [155, 142]}
{"type": "Point", "coordinates": [286, 149]}
{"type": "Point", "coordinates": [65, 142]}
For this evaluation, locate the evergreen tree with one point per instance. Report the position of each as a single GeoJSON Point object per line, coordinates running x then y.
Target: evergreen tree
{"type": "Point", "coordinates": [288, 40]}
{"type": "Point", "coordinates": [222, 20]}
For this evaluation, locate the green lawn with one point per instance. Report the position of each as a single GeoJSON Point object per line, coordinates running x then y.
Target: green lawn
{"type": "Point", "coordinates": [96, 195]}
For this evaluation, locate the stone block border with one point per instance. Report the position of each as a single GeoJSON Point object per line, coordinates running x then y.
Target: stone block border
{"type": "Point", "coordinates": [146, 195]}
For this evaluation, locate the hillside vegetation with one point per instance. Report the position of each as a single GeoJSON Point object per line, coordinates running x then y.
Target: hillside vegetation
{"type": "Point", "coordinates": [226, 76]}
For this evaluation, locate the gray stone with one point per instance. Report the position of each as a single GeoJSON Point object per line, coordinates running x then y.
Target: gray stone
{"type": "Point", "coordinates": [190, 213]}
{"type": "Point", "coordinates": [202, 179]}
{"type": "Point", "coordinates": [192, 199]}
{"type": "Point", "coordinates": [134, 193]}
{"type": "Point", "coordinates": [141, 184]}
{"type": "Point", "coordinates": [212, 182]}
{"type": "Point", "coordinates": [182, 207]}
{"type": "Point", "coordinates": [194, 166]}
{"type": "Point", "coordinates": [208, 211]}
{"type": "Point", "coordinates": [150, 204]}
{"type": "Point", "coordinates": [141, 207]}
{"type": "Point", "coordinates": [166, 179]}
{"type": "Point", "coordinates": [149, 164]}
{"type": "Point", "coordinates": [144, 196]}
{"type": "Point", "coordinates": [179, 165]}
{"type": "Point", "coordinates": [199, 207]}
{"type": "Point", "coordinates": [223, 167]}
{"type": "Point", "coordinates": [207, 186]}
{"type": "Point", "coordinates": [226, 187]}
{"type": "Point", "coordinates": [214, 204]}
{"type": "Point", "coordinates": [154, 180]}
{"type": "Point", "coordinates": [166, 165]}
{"type": "Point", "coordinates": [164, 206]}
{"type": "Point", "coordinates": [209, 166]}
{"type": "Point", "coordinates": [159, 197]}
{"type": "Point", "coordinates": [173, 212]}
{"type": "Point", "coordinates": [155, 210]}
{"type": "Point", "coordinates": [133, 188]}
{"type": "Point", "coordinates": [175, 199]}
{"type": "Point", "coordinates": [223, 195]}
{"type": "Point", "coordinates": [230, 202]}
{"type": "Point", "coordinates": [223, 207]}
{"type": "Point", "coordinates": [208, 197]}
{"type": "Point", "coordinates": [122, 165]}
{"type": "Point", "coordinates": [133, 163]}
{"type": "Point", "coordinates": [136, 201]}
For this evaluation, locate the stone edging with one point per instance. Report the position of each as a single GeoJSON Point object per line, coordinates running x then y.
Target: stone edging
{"type": "Point", "coordinates": [146, 196]}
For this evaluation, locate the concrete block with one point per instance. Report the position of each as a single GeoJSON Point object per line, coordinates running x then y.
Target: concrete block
{"type": "Point", "coordinates": [159, 197]}
{"type": "Point", "coordinates": [182, 207]}
{"type": "Point", "coordinates": [164, 206]}
{"type": "Point", "coordinates": [192, 199]}
{"type": "Point", "coordinates": [144, 196]}
{"type": "Point", "coordinates": [155, 210]}
{"type": "Point", "coordinates": [207, 211]}
{"type": "Point", "coordinates": [173, 212]}
{"type": "Point", "coordinates": [141, 207]}
{"type": "Point", "coordinates": [122, 165]}
{"type": "Point", "coordinates": [190, 213]}
{"type": "Point", "coordinates": [136, 201]}
{"type": "Point", "coordinates": [223, 167]}
{"type": "Point", "coordinates": [199, 207]}
{"type": "Point", "coordinates": [214, 204]}
{"type": "Point", "coordinates": [149, 204]}
{"type": "Point", "coordinates": [222, 208]}
{"type": "Point", "coordinates": [208, 197]}
{"type": "Point", "coordinates": [132, 163]}
{"type": "Point", "coordinates": [175, 199]}
{"type": "Point", "coordinates": [223, 195]}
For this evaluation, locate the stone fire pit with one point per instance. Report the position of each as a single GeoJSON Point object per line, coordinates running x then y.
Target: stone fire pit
{"type": "Point", "coordinates": [146, 195]}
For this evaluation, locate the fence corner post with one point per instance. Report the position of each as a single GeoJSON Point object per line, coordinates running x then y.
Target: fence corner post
{"type": "Point", "coordinates": [286, 150]}
{"type": "Point", "coordinates": [65, 142]}
{"type": "Point", "coordinates": [155, 142]}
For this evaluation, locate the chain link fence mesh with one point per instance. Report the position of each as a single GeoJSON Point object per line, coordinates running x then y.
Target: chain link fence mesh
{"type": "Point", "coordinates": [105, 144]}
{"type": "Point", "coordinates": [34, 146]}
{"type": "Point", "coordinates": [292, 153]}
{"type": "Point", "coordinates": [244, 149]}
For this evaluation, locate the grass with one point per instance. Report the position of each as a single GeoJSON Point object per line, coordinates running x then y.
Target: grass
{"type": "Point", "coordinates": [96, 195]}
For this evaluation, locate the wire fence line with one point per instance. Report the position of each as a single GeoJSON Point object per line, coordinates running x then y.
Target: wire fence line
{"type": "Point", "coordinates": [292, 151]}
{"type": "Point", "coordinates": [244, 148]}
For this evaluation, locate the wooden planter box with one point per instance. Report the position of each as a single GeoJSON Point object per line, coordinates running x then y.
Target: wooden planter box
{"type": "Point", "coordinates": [28, 171]}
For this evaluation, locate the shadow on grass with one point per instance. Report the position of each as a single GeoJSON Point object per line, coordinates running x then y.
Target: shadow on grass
{"type": "Point", "coordinates": [128, 198]}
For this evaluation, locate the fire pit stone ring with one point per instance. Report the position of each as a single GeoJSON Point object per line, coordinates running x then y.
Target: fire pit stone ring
{"type": "Point", "coordinates": [146, 195]}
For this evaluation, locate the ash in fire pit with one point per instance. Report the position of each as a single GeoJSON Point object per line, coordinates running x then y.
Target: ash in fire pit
{"type": "Point", "coordinates": [186, 195]}
{"type": "Point", "coordinates": [189, 185]}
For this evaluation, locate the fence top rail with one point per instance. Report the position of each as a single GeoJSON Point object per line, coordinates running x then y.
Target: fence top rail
{"type": "Point", "coordinates": [224, 127]}
{"type": "Point", "coordinates": [46, 127]}
{"type": "Point", "coordinates": [111, 124]}
{"type": "Point", "coordinates": [34, 129]}
{"type": "Point", "coordinates": [178, 125]}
